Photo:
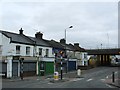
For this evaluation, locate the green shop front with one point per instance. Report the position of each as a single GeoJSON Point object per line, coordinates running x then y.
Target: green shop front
{"type": "Point", "coordinates": [46, 66]}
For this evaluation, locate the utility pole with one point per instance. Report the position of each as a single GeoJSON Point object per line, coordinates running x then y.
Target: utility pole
{"type": "Point", "coordinates": [108, 39]}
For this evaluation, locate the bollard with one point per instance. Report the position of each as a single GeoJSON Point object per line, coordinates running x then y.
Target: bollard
{"type": "Point", "coordinates": [56, 75]}
{"type": "Point", "coordinates": [113, 77]}
{"type": "Point", "coordinates": [78, 72]}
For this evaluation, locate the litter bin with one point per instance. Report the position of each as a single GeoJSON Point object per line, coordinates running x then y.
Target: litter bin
{"type": "Point", "coordinates": [56, 75]}
{"type": "Point", "coordinates": [42, 73]}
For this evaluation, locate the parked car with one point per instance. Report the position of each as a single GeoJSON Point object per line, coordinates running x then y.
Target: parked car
{"type": "Point", "coordinates": [115, 62]}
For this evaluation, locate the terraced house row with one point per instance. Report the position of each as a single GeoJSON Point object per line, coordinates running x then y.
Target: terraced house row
{"type": "Point", "coordinates": [37, 52]}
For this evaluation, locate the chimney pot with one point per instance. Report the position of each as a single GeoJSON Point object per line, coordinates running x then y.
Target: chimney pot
{"type": "Point", "coordinates": [21, 31]}
{"type": "Point", "coordinates": [76, 44]}
{"type": "Point", "coordinates": [62, 41]}
{"type": "Point", "coordinates": [39, 35]}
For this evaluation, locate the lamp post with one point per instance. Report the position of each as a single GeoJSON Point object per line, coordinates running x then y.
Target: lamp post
{"type": "Point", "coordinates": [65, 38]}
{"type": "Point", "coordinates": [101, 45]}
{"type": "Point", "coordinates": [65, 47]}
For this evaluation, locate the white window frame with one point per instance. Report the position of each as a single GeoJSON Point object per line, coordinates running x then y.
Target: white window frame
{"type": "Point", "coordinates": [40, 51]}
{"type": "Point", "coordinates": [18, 51]}
{"type": "Point", "coordinates": [47, 53]}
{"type": "Point", "coordinates": [27, 50]}
{"type": "Point", "coordinates": [0, 49]}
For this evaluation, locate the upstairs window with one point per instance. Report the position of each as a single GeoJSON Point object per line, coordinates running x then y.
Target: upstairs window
{"type": "Point", "coordinates": [40, 51]}
{"type": "Point", "coordinates": [27, 50]}
{"type": "Point", "coordinates": [47, 52]}
{"type": "Point", "coordinates": [0, 49]}
{"type": "Point", "coordinates": [17, 49]}
{"type": "Point", "coordinates": [85, 56]}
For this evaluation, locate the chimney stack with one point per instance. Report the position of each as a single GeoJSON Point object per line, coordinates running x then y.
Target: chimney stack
{"type": "Point", "coordinates": [39, 35]}
{"type": "Point", "coordinates": [21, 31]}
{"type": "Point", "coordinates": [62, 41]}
{"type": "Point", "coordinates": [76, 44]}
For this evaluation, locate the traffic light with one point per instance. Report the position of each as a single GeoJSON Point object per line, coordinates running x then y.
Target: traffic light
{"type": "Point", "coordinates": [61, 53]}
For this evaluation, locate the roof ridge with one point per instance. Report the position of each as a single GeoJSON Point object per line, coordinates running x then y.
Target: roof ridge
{"type": "Point", "coordinates": [9, 32]}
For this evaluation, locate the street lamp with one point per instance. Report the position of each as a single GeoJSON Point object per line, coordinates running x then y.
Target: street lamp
{"type": "Point", "coordinates": [65, 48]}
{"type": "Point", "coordinates": [101, 46]}
{"type": "Point", "coordinates": [65, 39]}
{"type": "Point", "coordinates": [61, 53]}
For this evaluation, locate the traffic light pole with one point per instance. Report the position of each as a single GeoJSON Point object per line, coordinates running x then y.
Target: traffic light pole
{"type": "Point", "coordinates": [21, 72]}
{"type": "Point", "coordinates": [61, 68]}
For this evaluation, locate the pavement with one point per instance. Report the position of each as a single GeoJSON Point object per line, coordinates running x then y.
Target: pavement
{"type": "Point", "coordinates": [116, 82]}
{"type": "Point", "coordinates": [66, 77]}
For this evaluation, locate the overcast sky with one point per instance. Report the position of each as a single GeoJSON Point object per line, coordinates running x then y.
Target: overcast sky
{"type": "Point", "coordinates": [94, 23]}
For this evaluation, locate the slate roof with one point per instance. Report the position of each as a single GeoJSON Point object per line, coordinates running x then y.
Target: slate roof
{"type": "Point", "coordinates": [18, 38]}
{"type": "Point", "coordinates": [71, 47]}
{"type": "Point", "coordinates": [74, 48]}
{"type": "Point", "coordinates": [23, 39]}
{"type": "Point", "coordinates": [79, 49]}
{"type": "Point", "coordinates": [68, 47]}
{"type": "Point", "coordinates": [55, 44]}
{"type": "Point", "coordinates": [40, 42]}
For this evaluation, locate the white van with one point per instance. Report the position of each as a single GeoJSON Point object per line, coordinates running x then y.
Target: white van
{"type": "Point", "coordinates": [115, 62]}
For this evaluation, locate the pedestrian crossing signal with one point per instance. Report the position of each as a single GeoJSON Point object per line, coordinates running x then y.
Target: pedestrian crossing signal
{"type": "Point", "coordinates": [61, 53]}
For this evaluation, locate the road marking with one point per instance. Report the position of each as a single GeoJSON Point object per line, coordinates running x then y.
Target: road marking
{"type": "Point", "coordinates": [38, 79]}
{"type": "Point", "coordinates": [116, 72]}
{"type": "Point", "coordinates": [89, 80]}
{"type": "Point", "coordinates": [103, 79]}
{"type": "Point", "coordinates": [107, 77]}
{"type": "Point", "coordinates": [108, 86]}
{"type": "Point", "coordinates": [76, 79]}
{"type": "Point", "coordinates": [48, 78]}
{"type": "Point", "coordinates": [50, 83]}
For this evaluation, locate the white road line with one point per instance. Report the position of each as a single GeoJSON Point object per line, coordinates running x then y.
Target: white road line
{"type": "Point", "coordinates": [107, 76]}
{"type": "Point", "coordinates": [108, 86]}
{"type": "Point", "coordinates": [116, 72]}
{"type": "Point", "coordinates": [103, 79]}
{"type": "Point", "coordinates": [76, 79]}
{"type": "Point", "coordinates": [89, 80]}
{"type": "Point", "coordinates": [50, 83]}
{"type": "Point", "coordinates": [38, 79]}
